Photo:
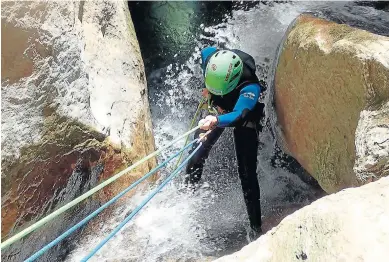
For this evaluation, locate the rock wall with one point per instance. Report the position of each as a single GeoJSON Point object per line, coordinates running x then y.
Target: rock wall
{"type": "Point", "coordinates": [351, 225]}
{"type": "Point", "coordinates": [74, 110]}
{"type": "Point", "coordinates": [332, 99]}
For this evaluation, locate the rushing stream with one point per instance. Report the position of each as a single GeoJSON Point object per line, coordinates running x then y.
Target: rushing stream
{"type": "Point", "coordinates": [175, 225]}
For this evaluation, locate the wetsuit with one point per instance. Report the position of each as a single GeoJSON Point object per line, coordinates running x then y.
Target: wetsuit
{"type": "Point", "coordinates": [243, 112]}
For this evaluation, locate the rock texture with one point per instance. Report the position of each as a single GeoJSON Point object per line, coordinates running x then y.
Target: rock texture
{"type": "Point", "coordinates": [351, 225]}
{"type": "Point", "coordinates": [331, 98]}
{"type": "Point", "coordinates": [372, 144]}
{"type": "Point", "coordinates": [74, 106]}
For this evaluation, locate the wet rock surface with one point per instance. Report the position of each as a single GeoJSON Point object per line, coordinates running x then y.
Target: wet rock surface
{"type": "Point", "coordinates": [74, 112]}
{"type": "Point", "coordinates": [327, 75]}
{"type": "Point", "coordinates": [331, 228]}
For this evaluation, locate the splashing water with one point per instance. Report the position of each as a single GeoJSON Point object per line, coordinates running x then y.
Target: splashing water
{"type": "Point", "coordinates": [181, 226]}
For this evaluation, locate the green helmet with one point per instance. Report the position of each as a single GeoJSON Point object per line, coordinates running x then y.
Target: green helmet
{"type": "Point", "coordinates": [223, 72]}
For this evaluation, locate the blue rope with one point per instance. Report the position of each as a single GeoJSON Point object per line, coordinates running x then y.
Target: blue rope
{"type": "Point", "coordinates": [138, 208]}
{"type": "Point", "coordinates": [97, 211]}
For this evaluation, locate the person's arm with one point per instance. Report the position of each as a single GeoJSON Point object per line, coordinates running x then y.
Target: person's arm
{"type": "Point", "coordinates": [247, 100]}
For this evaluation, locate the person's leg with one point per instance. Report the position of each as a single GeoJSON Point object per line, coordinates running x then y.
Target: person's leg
{"type": "Point", "coordinates": [246, 146]}
{"type": "Point", "coordinates": [194, 169]}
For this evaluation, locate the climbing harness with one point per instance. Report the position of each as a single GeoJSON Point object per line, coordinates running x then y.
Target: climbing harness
{"type": "Point", "coordinates": [77, 200]}
{"type": "Point", "coordinates": [100, 209]}
{"type": "Point", "coordinates": [143, 203]}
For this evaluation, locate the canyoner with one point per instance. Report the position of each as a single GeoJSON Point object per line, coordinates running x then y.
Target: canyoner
{"type": "Point", "coordinates": [232, 90]}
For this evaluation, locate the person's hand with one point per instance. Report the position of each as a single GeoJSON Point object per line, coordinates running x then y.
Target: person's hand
{"type": "Point", "coordinates": [209, 122]}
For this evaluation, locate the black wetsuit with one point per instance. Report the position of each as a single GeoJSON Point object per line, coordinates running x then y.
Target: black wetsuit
{"type": "Point", "coordinates": [246, 127]}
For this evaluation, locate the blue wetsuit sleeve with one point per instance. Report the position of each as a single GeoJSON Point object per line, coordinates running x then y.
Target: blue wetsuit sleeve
{"type": "Point", "coordinates": [247, 100]}
{"type": "Point", "coordinates": [204, 55]}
